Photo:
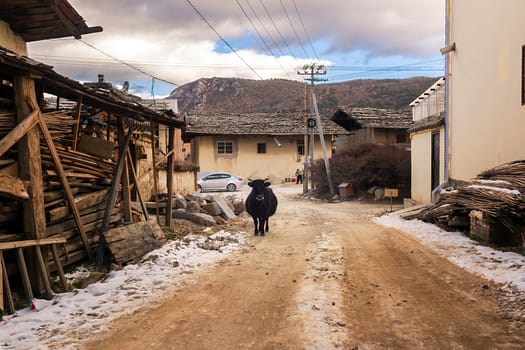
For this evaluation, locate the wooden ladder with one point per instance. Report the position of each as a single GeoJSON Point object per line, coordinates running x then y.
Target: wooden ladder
{"type": "Point", "coordinates": [42, 267]}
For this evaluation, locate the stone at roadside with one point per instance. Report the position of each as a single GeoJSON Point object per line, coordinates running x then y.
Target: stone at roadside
{"type": "Point", "coordinates": [227, 213]}
{"type": "Point", "coordinates": [180, 214]}
{"type": "Point", "coordinates": [196, 197]}
{"type": "Point", "coordinates": [212, 208]}
{"type": "Point", "coordinates": [193, 207]}
{"type": "Point", "coordinates": [202, 219]}
{"type": "Point", "coordinates": [180, 203]}
{"type": "Point", "coordinates": [220, 220]}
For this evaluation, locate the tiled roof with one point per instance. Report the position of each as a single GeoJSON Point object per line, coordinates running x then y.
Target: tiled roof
{"type": "Point", "coordinates": [255, 124]}
{"type": "Point", "coordinates": [352, 118]}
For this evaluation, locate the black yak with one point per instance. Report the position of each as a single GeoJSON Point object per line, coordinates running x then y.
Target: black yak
{"type": "Point", "coordinates": [261, 203]}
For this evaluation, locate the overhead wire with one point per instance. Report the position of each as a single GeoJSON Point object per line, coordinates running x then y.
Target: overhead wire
{"type": "Point", "coordinates": [293, 29]}
{"type": "Point", "coordinates": [261, 23]}
{"type": "Point", "coordinates": [305, 31]}
{"type": "Point", "coordinates": [261, 37]}
{"type": "Point", "coordinates": [277, 29]}
{"type": "Point", "coordinates": [223, 40]}
{"type": "Point", "coordinates": [126, 63]}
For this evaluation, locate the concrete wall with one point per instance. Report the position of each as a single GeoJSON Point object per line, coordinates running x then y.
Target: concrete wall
{"type": "Point", "coordinates": [10, 40]}
{"type": "Point", "coordinates": [183, 181]}
{"type": "Point", "coordinates": [487, 118]}
{"type": "Point", "coordinates": [421, 167]}
{"type": "Point", "coordinates": [278, 163]}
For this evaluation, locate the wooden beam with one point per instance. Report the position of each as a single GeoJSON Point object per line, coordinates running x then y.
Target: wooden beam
{"type": "Point", "coordinates": [155, 173]}
{"type": "Point", "coordinates": [77, 124]}
{"type": "Point", "coordinates": [42, 264]}
{"type": "Point", "coordinates": [22, 268]}
{"type": "Point", "coordinates": [60, 270]}
{"type": "Point", "coordinates": [30, 171]}
{"type": "Point", "coordinates": [7, 286]}
{"type": "Point", "coordinates": [2, 307]}
{"type": "Point", "coordinates": [82, 202]}
{"type": "Point", "coordinates": [133, 174]}
{"type": "Point", "coordinates": [13, 187]}
{"type": "Point", "coordinates": [169, 177]}
{"type": "Point", "coordinates": [112, 196]}
{"type": "Point", "coordinates": [18, 132]}
{"type": "Point", "coordinates": [62, 175]}
{"type": "Point", "coordinates": [126, 193]}
{"type": "Point", "coordinates": [31, 243]}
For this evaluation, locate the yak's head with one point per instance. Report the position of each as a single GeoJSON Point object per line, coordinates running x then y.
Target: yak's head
{"type": "Point", "coordinates": [258, 187]}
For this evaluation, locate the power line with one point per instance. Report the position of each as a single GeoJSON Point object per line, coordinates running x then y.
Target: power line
{"type": "Point", "coordinates": [305, 31]}
{"type": "Point", "coordinates": [261, 37]}
{"type": "Point", "coordinates": [265, 29]}
{"type": "Point", "coordinates": [223, 40]}
{"type": "Point", "coordinates": [293, 28]}
{"type": "Point", "coordinates": [126, 63]}
{"type": "Point", "coordinates": [277, 29]}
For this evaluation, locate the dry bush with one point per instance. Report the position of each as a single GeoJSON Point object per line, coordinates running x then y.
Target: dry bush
{"type": "Point", "coordinates": [366, 166]}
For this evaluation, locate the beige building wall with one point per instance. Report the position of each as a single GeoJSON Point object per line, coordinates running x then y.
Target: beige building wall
{"type": "Point", "coordinates": [487, 118]}
{"type": "Point", "coordinates": [10, 40]}
{"type": "Point", "coordinates": [278, 163]}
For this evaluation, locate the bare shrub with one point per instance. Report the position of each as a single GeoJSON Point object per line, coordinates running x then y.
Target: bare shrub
{"type": "Point", "coordinates": [366, 166]}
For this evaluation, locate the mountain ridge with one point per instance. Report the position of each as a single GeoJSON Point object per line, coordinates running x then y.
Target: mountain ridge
{"type": "Point", "coordinates": [224, 95]}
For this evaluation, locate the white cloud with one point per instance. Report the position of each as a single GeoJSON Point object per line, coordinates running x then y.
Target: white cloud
{"type": "Point", "coordinates": [168, 39]}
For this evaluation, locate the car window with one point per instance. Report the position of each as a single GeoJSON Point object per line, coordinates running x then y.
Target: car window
{"type": "Point", "coordinates": [225, 176]}
{"type": "Point", "coordinates": [213, 177]}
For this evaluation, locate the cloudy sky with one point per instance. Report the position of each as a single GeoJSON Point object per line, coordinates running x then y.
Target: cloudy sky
{"type": "Point", "coordinates": [179, 41]}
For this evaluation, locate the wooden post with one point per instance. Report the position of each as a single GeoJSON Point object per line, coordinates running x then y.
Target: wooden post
{"type": "Point", "coordinates": [9, 296]}
{"type": "Point", "coordinates": [60, 270]}
{"type": "Point", "coordinates": [30, 170]}
{"type": "Point", "coordinates": [112, 196]}
{"type": "Point", "coordinates": [23, 272]}
{"type": "Point", "coordinates": [126, 193]}
{"type": "Point", "coordinates": [44, 272]}
{"type": "Point", "coordinates": [63, 178]}
{"type": "Point", "coordinates": [169, 178]}
{"type": "Point", "coordinates": [77, 124]}
{"type": "Point", "coordinates": [155, 173]}
{"type": "Point", "coordinates": [1, 288]}
{"type": "Point", "coordinates": [135, 181]}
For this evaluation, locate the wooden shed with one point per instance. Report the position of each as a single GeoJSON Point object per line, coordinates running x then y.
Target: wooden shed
{"type": "Point", "coordinates": [67, 176]}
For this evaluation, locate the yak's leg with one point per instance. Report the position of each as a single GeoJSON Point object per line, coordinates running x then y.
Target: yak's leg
{"type": "Point", "coordinates": [255, 224]}
{"type": "Point", "coordinates": [262, 222]}
{"type": "Point", "coordinates": [267, 224]}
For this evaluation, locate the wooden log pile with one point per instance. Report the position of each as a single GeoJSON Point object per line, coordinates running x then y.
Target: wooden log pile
{"type": "Point", "coordinates": [89, 178]}
{"type": "Point", "coordinates": [497, 193]}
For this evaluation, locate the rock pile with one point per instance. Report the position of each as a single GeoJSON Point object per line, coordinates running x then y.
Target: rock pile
{"type": "Point", "coordinates": [204, 209]}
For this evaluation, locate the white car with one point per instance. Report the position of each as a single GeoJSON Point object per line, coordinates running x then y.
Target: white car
{"type": "Point", "coordinates": [220, 181]}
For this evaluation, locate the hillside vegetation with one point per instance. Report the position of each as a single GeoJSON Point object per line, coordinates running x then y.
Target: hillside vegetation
{"type": "Point", "coordinates": [223, 95]}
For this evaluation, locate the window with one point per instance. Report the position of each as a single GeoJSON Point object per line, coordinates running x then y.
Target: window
{"type": "Point", "coordinates": [523, 75]}
{"type": "Point", "coordinates": [261, 148]}
{"type": "Point", "coordinates": [300, 147]}
{"type": "Point", "coordinates": [224, 147]}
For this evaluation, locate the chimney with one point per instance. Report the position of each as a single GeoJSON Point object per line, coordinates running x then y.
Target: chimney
{"type": "Point", "coordinates": [101, 78]}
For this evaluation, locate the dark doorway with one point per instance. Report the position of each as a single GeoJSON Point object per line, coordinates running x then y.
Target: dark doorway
{"type": "Point", "coordinates": [435, 160]}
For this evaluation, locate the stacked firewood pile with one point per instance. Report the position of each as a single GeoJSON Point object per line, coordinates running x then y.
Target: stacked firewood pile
{"type": "Point", "coordinates": [496, 193]}
{"type": "Point", "coordinates": [89, 178]}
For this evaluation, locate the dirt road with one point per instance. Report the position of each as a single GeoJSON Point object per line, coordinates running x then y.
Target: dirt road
{"type": "Point", "coordinates": [325, 277]}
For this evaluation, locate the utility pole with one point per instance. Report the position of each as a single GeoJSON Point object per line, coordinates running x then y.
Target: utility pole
{"type": "Point", "coordinates": [312, 70]}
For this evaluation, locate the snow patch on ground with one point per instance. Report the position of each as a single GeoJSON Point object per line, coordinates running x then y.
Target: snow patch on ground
{"type": "Point", "coordinates": [507, 268]}
{"type": "Point", "coordinates": [120, 293]}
